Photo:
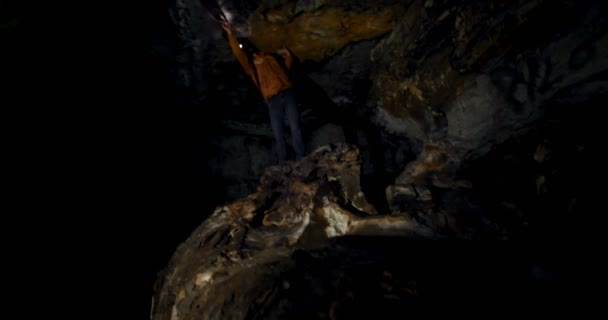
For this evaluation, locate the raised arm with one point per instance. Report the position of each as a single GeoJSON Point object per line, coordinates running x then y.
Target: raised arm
{"type": "Point", "coordinates": [284, 52]}
{"type": "Point", "coordinates": [238, 53]}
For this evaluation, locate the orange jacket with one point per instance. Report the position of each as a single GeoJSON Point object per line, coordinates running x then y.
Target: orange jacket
{"type": "Point", "coordinates": [271, 74]}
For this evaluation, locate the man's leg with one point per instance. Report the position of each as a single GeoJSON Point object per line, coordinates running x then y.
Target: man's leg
{"type": "Point", "coordinates": [276, 110]}
{"type": "Point", "coordinates": [293, 117]}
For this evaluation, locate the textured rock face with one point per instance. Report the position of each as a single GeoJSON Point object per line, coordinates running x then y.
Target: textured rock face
{"type": "Point", "coordinates": [315, 34]}
{"type": "Point", "coordinates": [468, 76]}
{"type": "Point", "coordinates": [307, 244]}
{"type": "Point", "coordinates": [233, 257]}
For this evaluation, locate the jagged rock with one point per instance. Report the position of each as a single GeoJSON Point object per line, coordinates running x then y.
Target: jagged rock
{"type": "Point", "coordinates": [396, 194]}
{"type": "Point", "coordinates": [472, 75]}
{"type": "Point", "coordinates": [424, 194]}
{"type": "Point", "coordinates": [228, 263]}
{"type": "Point", "coordinates": [318, 31]}
{"type": "Point", "coordinates": [305, 246]}
{"type": "Point", "coordinates": [397, 190]}
{"type": "Point", "coordinates": [432, 159]}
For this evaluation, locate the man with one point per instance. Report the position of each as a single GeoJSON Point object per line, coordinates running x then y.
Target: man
{"type": "Point", "coordinates": [271, 78]}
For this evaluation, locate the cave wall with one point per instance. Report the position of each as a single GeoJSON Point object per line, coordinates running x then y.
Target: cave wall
{"type": "Point", "coordinates": [393, 77]}
{"type": "Point", "coordinates": [470, 76]}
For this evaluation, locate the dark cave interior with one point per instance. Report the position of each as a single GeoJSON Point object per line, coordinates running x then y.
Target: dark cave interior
{"type": "Point", "coordinates": [504, 93]}
{"type": "Point", "coordinates": [507, 190]}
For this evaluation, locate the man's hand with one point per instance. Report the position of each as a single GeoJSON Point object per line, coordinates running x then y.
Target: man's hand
{"type": "Point", "coordinates": [227, 27]}
{"type": "Point", "coordinates": [283, 51]}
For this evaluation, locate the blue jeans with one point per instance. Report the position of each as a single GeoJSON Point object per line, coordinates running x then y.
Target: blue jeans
{"type": "Point", "coordinates": [279, 105]}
